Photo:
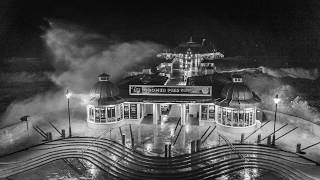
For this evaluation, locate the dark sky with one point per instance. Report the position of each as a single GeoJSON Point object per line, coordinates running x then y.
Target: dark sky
{"type": "Point", "coordinates": [257, 27]}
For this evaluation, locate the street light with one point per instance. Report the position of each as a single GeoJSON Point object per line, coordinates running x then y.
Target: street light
{"type": "Point", "coordinates": [276, 101]}
{"type": "Point", "coordinates": [68, 95]}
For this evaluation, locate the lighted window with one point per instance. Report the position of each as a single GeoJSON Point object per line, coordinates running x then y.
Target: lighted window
{"type": "Point", "coordinates": [229, 120]}
{"type": "Point", "coordinates": [224, 116]}
{"type": "Point", "coordinates": [91, 114]}
{"type": "Point", "coordinates": [251, 118]}
{"type": "Point", "coordinates": [211, 112]}
{"type": "Point", "coordinates": [247, 118]}
{"type": "Point", "coordinates": [241, 118]}
{"type": "Point", "coordinates": [219, 114]}
{"type": "Point", "coordinates": [121, 111]}
{"type": "Point", "coordinates": [103, 115]}
{"type": "Point", "coordinates": [133, 111]}
{"type": "Point", "coordinates": [126, 111]}
{"type": "Point", "coordinates": [235, 117]}
{"type": "Point", "coordinates": [111, 112]}
{"type": "Point", "coordinates": [204, 112]}
{"type": "Point", "coordinates": [97, 113]}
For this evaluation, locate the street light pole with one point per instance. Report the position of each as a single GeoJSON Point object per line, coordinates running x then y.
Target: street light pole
{"type": "Point", "coordinates": [68, 95]}
{"type": "Point", "coordinates": [276, 101]}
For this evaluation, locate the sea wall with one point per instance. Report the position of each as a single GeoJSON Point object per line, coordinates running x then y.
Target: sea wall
{"type": "Point", "coordinates": [293, 120]}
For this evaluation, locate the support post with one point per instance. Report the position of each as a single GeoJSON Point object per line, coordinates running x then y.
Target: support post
{"type": "Point", "coordinates": [183, 114]}
{"type": "Point", "coordinates": [155, 115]}
{"type": "Point", "coordinates": [70, 134]}
{"type": "Point", "coordinates": [132, 138]}
{"type": "Point", "coordinates": [274, 124]}
{"type": "Point", "coordinates": [139, 135]}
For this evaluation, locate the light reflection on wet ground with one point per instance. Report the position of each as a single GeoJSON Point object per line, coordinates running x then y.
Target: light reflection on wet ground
{"type": "Point", "coordinates": [150, 140]}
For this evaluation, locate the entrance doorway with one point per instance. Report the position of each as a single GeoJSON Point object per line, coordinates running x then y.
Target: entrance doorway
{"type": "Point", "coordinates": [170, 113]}
{"type": "Point", "coordinates": [147, 110]}
{"type": "Point", "coordinates": [192, 114]}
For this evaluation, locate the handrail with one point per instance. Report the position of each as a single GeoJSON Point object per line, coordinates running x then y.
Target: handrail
{"type": "Point", "coordinates": [274, 132]}
{"type": "Point", "coordinates": [257, 130]}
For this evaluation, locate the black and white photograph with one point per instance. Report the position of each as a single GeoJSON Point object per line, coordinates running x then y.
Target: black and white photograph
{"type": "Point", "coordinates": [152, 90]}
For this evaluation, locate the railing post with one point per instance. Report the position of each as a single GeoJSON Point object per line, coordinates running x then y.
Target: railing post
{"type": "Point", "coordinates": [198, 144]}
{"type": "Point", "coordinates": [165, 150]}
{"type": "Point", "coordinates": [269, 141]}
{"type": "Point", "coordinates": [242, 138]}
{"type": "Point", "coordinates": [298, 149]}
{"type": "Point", "coordinates": [169, 150]}
{"type": "Point", "coordinates": [63, 133]}
{"type": "Point", "coordinates": [193, 144]}
{"type": "Point", "coordinates": [123, 139]}
{"type": "Point", "coordinates": [49, 136]}
{"type": "Point", "coordinates": [259, 139]}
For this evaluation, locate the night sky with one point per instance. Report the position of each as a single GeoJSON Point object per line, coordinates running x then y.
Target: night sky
{"type": "Point", "coordinates": [254, 28]}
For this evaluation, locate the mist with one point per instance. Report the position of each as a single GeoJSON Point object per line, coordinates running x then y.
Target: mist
{"type": "Point", "coordinates": [293, 72]}
{"type": "Point", "coordinates": [267, 86]}
{"type": "Point", "coordinates": [78, 57]}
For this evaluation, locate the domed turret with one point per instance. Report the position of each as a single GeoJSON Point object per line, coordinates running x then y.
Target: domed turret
{"type": "Point", "coordinates": [237, 94]}
{"type": "Point", "coordinates": [237, 107]}
{"type": "Point", "coordinates": [104, 92]}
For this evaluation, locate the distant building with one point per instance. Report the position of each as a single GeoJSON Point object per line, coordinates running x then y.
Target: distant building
{"type": "Point", "coordinates": [191, 57]}
{"type": "Point", "coordinates": [143, 71]}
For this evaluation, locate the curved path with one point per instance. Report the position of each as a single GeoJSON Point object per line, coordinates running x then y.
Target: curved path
{"type": "Point", "coordinates": [123, 163]}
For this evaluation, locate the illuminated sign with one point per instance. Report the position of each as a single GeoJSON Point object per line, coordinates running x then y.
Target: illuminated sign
{"type": "Point", "coordinates": [150, 90]}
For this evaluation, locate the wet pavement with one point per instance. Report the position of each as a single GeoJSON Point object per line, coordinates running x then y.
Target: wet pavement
{"type": "Point", "coordinates": [150, 139]}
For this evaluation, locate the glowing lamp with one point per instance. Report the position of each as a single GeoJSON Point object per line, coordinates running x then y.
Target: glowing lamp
{"type": "Point", "coordinates": [276, 99]}
{"type": "Point", "coordinates": [68, 94]}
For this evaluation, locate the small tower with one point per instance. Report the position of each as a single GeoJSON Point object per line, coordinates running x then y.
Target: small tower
{"type": "Point", "coordinates": [237, 79]}
{"type": "Point", "coordinates": [104, 77]}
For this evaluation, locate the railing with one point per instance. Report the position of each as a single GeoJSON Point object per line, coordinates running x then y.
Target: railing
{"type": "Point", "coordinates": [127, 164]}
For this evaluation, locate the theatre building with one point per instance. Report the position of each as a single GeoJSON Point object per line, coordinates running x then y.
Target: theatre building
{"type": "Point", "coordinates": [235, 110]}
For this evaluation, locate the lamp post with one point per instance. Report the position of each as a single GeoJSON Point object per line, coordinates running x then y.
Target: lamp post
{"type": "Point", "coordinates": [276, 101]}
{"type": "Point", "coordinates": [68, 95]}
